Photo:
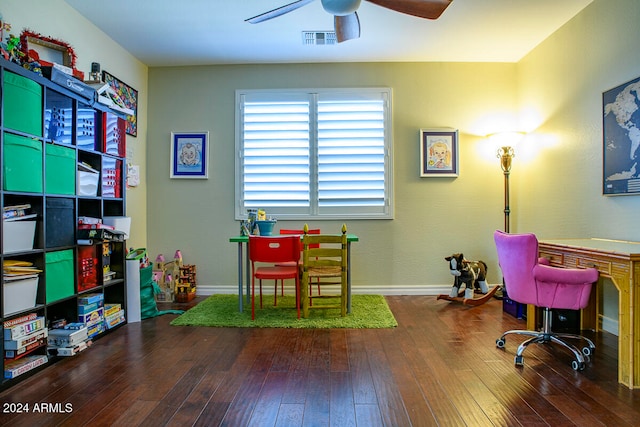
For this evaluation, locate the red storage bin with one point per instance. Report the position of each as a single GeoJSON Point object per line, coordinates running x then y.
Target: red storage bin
{"type": "Point", "coordinates": [87, 267]}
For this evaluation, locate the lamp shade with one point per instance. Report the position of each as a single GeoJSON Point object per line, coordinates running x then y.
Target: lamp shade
{"type": "Point", "coordinates": [505, 139]}
{"type": "Point", "coordinates": [340, 7]}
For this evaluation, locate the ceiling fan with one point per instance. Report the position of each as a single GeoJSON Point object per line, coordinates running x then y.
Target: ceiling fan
{"type": "Point", "coordinates": [346, 21]}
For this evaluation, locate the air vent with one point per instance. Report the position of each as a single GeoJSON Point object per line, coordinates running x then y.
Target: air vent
{"type": "Point", "coordinates": [318, 37]}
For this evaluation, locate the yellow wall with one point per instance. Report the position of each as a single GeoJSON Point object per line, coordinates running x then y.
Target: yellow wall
{"type": "Point", "coordinates": [55, 18]}
{"type": "Point", "coordinates": [558, 192]}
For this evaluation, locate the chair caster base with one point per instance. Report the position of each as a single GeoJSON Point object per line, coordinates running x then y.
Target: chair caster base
{"type": "Point", "coordinates": [577, 366]}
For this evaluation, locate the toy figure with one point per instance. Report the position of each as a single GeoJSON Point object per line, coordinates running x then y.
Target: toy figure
{"type": "Point", "coordinates": [472, 274]}
{"type": "Point", "coordinates": [13, 49]}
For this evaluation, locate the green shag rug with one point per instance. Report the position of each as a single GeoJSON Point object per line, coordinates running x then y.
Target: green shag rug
{"type": "Point", "coordinates": [367, 311]}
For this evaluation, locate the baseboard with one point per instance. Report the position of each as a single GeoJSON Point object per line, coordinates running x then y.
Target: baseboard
{"type": "Point", "coordinates": [608, 324]}
{"type": "Point", "coordinates": [360, 290]}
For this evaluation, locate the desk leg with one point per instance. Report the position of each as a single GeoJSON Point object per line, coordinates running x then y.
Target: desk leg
{"type": "Point", "coordinates": [240, 276]}
{"type": "Point", "coordinates": [348, 277]}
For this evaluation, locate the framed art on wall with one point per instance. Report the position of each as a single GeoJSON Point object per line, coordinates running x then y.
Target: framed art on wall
{"type": "Point", "coordinates": [189, 155]}
{"type": "Point", "coordinates": [438, 152]}
{"type": "Point", "coordinates": [126, 97]}
{"type": "Point", "coordinates": [621, 140]}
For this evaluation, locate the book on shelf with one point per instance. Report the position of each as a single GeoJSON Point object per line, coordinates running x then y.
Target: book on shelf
{"type": "Point", "coordinates": [25, 328]}
{"type": "Point", "coordinates": [26, 340]}
{"type": "Point", "coordinates": [95, 226]}
{"type": "Point", "coordinates": [22, 365]}
{"type": "Point", "coordinates": [89, 220]}
{"type": "Point", "coordinates": [101, 234]}
{"type": "Point", "coordinates": [11, 322]}
{"type": "Point", "coordinates": [17, 269]}
{"type": "Point", "coordinates": [20, 217]}
{"type": "Point", "coordinates": [85, 167]}
{"type": "Point", "coordinates": [27, 349]}
{"type": "Point", "coordinates": [68, 351]}
{"type": "Point", "coordinates": [15, 211]}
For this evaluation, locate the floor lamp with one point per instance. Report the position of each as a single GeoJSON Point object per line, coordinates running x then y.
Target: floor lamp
{"type": "Point", "coordinates": [506, 155]}
{"type": "Point", "coordinates": [506, 152]}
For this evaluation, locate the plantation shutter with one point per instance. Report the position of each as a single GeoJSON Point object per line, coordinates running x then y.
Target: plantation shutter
{"type": "Point", "coordinates": [276, 152]}
{"type": "Point", "coordinates": [314, 154]}
{"type": "Point", "coordinates": [351, 152]}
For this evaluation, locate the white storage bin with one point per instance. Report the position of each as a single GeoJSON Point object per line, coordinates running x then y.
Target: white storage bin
{"type": "Point", "coordinates": [120, 223]}
{"type": "Point", "coordinates": [87, 183]}
{"type": "Point", "coordinates": [18, 235]}
{"type": "Point", "coordinates": [19, 295]}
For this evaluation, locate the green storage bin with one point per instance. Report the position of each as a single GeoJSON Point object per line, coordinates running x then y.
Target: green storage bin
{"type": "Point", "coordinates": [22, 104]}
{"type": "Point", "coordinates": [60, 164]}
{"type": "Point", "coordinates": [22, 164]}
{"type": "Point", "coordinates": [59, 274]}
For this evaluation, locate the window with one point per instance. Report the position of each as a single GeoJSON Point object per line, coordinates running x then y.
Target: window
{"type": "Point", "coordinates": [314, 153]}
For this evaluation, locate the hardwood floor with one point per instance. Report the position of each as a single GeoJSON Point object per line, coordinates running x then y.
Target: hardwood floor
{"type": "Point", "coordinates": [440, 366]}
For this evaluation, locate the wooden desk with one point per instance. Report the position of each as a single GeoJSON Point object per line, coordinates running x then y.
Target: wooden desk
{"type": "Point", "coordinates": [620, 262]}
{"type": "Point", "coordinates": [244, 241]}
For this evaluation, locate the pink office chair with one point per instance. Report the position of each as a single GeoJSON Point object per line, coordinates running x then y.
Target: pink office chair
{"type": "Point", "coordinates": [531, 280]}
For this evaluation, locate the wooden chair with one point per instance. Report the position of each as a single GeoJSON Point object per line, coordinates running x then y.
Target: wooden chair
{"type": "Point", "coordinates": [283, 254]}
{"type": "Point", "coordinates": [324, 260]}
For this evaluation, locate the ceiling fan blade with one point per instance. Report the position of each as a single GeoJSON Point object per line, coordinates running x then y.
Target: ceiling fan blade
{"type": "Point", "coordinates": [430, 9]}
{"type": "Point", "coordinates": [279, 11]}
{"type": "Point", "coordinates": [347, 27]}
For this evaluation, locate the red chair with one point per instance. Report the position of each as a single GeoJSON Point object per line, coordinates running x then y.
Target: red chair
{"type": "Point", "coordinates": [531, 280]}
{"type": "Point", "coordinates": [300, 232]}
{"type": "Point", "coordinates": [281, 250]}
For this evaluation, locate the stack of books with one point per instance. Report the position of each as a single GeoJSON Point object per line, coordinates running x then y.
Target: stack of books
{"type": "Point", "coordinates": [23, 336]}
{"type": "Point", "coordinates": [17, 212]}
{"type": "Point", "coordinates": [13, 269]}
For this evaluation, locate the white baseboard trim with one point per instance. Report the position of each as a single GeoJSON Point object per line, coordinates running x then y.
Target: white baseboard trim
{"type": "Point", "coordinates": [361, 290]}
{"type": "Point", "coordinates": [608, 324]}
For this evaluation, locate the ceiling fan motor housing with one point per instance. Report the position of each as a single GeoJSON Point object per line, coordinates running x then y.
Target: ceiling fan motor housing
{"type": "Point", "coordinates": [340, 7]}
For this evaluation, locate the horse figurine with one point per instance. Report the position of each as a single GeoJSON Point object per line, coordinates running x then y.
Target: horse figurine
{"type": "Point", "coordinates": [471, 274]}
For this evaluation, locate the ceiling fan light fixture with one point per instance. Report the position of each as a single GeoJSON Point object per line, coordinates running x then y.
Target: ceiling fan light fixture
{"type": "Point", "coordinates": [340, 7]}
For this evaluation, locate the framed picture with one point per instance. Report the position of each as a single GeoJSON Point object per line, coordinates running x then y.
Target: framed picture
{"type": "Point", "coordinates": [438, 153]}
{"type": "Point", "coordinates": [190, 155]}
{"type": "Point", "coordinates": [127, 98]}
{"type": "Point", "coordinates": [621, 175]}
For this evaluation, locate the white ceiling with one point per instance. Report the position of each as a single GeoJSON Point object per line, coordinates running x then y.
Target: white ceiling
{"type": "Point", "coordinates": [198, 32]}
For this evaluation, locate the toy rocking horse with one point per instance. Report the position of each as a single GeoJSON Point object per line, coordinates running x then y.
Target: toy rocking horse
{"type": "Point", "coordinates": [471, 274]}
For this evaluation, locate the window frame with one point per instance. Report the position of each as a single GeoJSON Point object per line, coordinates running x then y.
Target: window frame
{"type": "Point", "coordinates": [312, 213]}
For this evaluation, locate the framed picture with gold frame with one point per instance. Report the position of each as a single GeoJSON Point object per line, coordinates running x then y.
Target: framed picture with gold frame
{"type": "Point", "coordinates": [439, 153]}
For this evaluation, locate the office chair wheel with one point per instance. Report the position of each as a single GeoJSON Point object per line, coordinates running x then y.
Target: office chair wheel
{"type": "Point", "coordinates": [518, 360]}
{"type": "Point", "coordinates": [587, 351]}
{"type": "Point", "coordinates": [500, 342]}
{"type": "Point", "coordinates": [577, 366]}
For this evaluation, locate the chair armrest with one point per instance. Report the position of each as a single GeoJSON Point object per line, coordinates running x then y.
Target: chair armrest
{"type": "Point", "coordinates": [568, 276]}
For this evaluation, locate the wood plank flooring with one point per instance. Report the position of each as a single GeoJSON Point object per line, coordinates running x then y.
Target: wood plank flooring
{"type": "Point", "coordinates": [439, 367]}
